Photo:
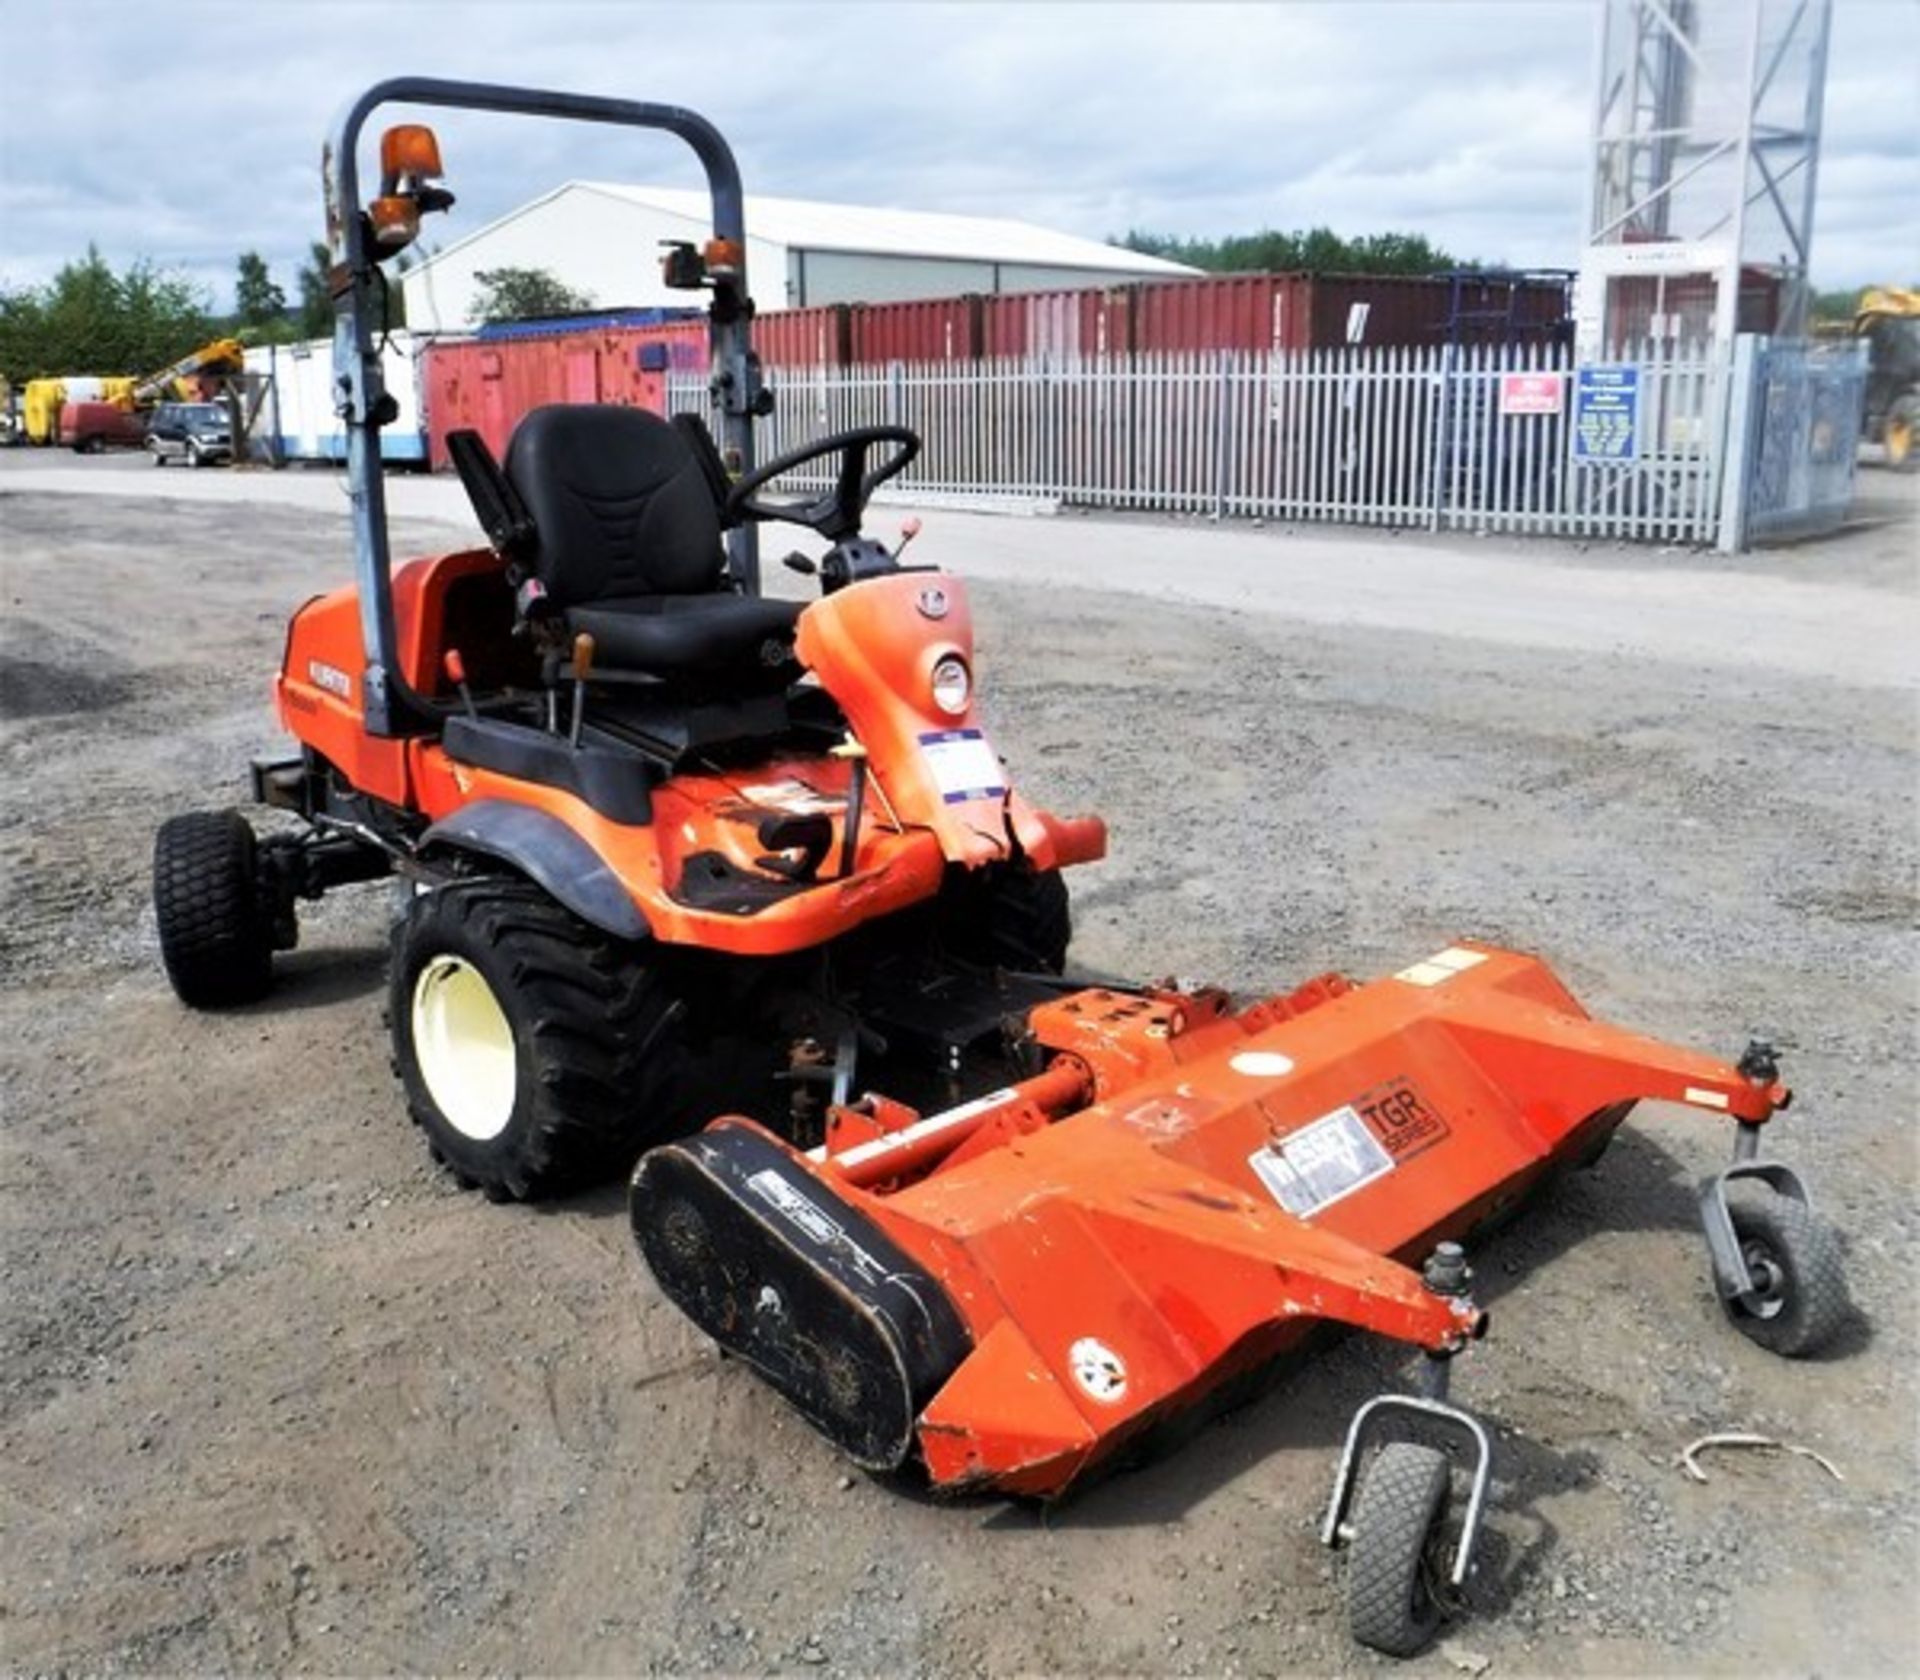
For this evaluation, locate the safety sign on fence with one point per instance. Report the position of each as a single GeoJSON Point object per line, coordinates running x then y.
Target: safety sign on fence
{"type": "Point", "coordinates": [1606, 412]}
{"type": "Point", "coordinates": [1532, 393]}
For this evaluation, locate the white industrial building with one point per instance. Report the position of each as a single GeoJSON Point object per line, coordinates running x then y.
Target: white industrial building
{"type": "Point", "coordinates": [604, 239]}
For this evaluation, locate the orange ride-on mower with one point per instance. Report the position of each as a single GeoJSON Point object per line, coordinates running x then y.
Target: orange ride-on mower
{"type": "Point", "coordinates": [693, 876]}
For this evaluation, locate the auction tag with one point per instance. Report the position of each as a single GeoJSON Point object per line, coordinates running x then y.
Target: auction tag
{"type": "Point", "coordinates": [964, 765]}
{"type": "Point", "coordinates": [1317, 1165]}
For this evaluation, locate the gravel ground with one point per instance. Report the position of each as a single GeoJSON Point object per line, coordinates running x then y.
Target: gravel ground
{"type": "Point", "coordinates": [275, 1395]}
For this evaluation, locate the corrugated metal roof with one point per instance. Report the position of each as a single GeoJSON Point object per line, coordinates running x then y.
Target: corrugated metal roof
{"type": "Point", "coordinates": [813, 226]}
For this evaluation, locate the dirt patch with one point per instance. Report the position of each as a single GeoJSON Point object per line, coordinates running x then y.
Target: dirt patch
{"type": "Point", "coordinates": [274, 1394]}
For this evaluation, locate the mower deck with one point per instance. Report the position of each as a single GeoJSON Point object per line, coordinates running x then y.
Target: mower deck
{"type": "Point", "coordinates": [1180, 1197]}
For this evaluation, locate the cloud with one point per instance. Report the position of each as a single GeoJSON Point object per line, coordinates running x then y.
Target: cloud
{"type": "Point", "coordinates": [190, 131]}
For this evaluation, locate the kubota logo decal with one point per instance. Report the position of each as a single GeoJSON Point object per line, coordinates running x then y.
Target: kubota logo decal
{"type": "Point", "coordinates": [331, 678]}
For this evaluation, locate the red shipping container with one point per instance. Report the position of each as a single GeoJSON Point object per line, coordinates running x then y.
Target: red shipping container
{"type": "Point", "coordinates": [1223, 312]}
{"type": "Point", "coordinates": [488, 384]}
{"type": "Point", "coordinates": [927, 330]}
{"type": "Point", "coordinates": [1096, 321]}
{"type": "Point", "coordinates": [814, 337]}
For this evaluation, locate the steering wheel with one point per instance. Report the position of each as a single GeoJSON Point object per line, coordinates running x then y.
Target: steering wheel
{"type": "Point", "coordinates": [836, 513]}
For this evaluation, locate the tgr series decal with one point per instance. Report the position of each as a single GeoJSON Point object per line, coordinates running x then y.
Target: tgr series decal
{"type": "Point", "coordinates": [1401, 1119]}
{"type": "Point", "coordinates": [1345, 1151]}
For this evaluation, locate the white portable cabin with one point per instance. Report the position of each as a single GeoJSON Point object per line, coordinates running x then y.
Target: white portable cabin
{"type": "Point", "coordinates": [298, 421]}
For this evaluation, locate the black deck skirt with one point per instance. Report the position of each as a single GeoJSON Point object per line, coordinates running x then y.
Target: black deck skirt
{"type": "Point", "coordinates": [805, 1288]}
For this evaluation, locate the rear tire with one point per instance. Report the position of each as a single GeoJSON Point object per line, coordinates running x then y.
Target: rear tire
{"type": "Point", "coordinates": [1009, 916]}
{"type": "Point", "coordinates": [1391, 1567]}
{"type": "Point", "coordinates": [538, 1054]}
{"type": "Point", "coordinates": [216, 937]}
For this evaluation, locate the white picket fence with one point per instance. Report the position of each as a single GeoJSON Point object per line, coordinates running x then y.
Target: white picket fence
{"type": "Point", "coordinates": [1406, 437]}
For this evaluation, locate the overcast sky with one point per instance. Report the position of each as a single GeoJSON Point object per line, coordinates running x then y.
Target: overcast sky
{"type": "Point", "coordinates": [188, 130]}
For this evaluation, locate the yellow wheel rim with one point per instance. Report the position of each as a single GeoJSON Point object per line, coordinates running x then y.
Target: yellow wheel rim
{"type": "Point", "coordinates": [463, 1045]}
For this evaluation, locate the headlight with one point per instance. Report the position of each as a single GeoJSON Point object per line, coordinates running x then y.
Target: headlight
{"type": "Point", "coordinates": [952, 685]}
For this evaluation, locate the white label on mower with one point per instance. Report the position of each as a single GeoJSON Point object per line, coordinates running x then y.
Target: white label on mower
{"type": "Point", "coordinates": [1704, 1099]}
{"type": "Point", "coordinates": [797, 1210]}
{"type": "Point", "coordinates": [964, 765]}
{"type": "Point", "coordinates": [1100, 1371]}
{"type": "Point", "coordinates": [1441, 966]}
{"type": "Point", "coordinates": [1314, 1167]}
{"type": "Point", "coordinates": [793, 796]}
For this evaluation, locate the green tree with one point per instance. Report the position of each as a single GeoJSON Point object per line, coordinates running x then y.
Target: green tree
{"type": "Point", "coordinates": [316, 303]}
{"type": "Point", "coordinates": [90, 318]}
{"type": "Point", "coordinates": [525, 294]}
{"type": "Point", "coordinates": [1836, 306]}
{"type": "Point", "coordinates": [1316, 250]}
{"type": "Point", "coordinates": [258, 300]}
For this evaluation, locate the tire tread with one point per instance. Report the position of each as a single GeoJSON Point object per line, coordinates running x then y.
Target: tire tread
{"type": "Point", "coordinates": [603, 1083]}
{"type": "Point", "coordinates": [215, 940]}
{"type": "Point", "coordinates": [1820, 1302]}
{"type": "Point", "coordinates": [1402, 1494]}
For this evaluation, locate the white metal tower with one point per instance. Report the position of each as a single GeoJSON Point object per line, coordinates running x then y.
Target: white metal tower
{"type": "Point", "coordinates": [1706, 146]}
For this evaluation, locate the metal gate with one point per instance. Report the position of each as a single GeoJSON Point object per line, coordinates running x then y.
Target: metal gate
{"type": "Point", "coordinates": [1804, 437]}
{"type": "Point", "coordinates": [1494, 438]}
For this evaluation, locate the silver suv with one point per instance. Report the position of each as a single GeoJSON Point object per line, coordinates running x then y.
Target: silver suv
{"type": "Point", "coordinates": [197, 433]}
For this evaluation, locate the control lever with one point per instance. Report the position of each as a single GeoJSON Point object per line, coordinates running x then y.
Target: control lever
{"type": "Point", "coordinates": [856, 756]}
{"type": "Point", "coordinates": [582, 665]}
{"type": "Point", "coordinates": [798, 562]}
{"type": "Point", "coordinates": [909, 529]}
{"type": "Point", "coordinates": [456, 669]}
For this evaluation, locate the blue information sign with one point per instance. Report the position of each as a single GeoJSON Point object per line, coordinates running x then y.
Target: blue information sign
{"type": "Point", "coordinates": [1606, 412]}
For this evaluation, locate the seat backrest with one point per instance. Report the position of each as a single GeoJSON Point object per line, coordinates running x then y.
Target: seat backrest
{"type": "Point", "coordinates": [620, 505]}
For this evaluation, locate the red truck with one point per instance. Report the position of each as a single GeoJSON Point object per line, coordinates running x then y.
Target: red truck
{"type": "Point", "coordinates": [89, 427]}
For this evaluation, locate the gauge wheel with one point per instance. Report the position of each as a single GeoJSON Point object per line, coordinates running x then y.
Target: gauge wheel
{"type": "Point", "coordinates": [1793, 1263]}
{"type": "Point", "coordinates": [538, 1054]}
{"type": "Point", "coordinates": [1395, 1556]}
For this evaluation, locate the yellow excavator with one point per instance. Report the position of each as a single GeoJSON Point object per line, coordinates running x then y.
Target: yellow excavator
{"type": "Point", "coordinates": [1888, 318]}
{"type": "Point", "coordinates": [223, 355]}
{"type": "Point", "coordinates": [41, 400]}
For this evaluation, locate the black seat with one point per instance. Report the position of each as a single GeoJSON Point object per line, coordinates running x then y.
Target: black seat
{"type": "Point", "coordinates": [627, 546]}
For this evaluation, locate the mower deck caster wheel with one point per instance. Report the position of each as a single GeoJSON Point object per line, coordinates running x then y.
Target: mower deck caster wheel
{"type": "Point", "coordinates": [1396, 1562]}
{"type": "Point", "coordinates": [216, 933]}
{"type": "Point", "coordinates": [1798, 1288]}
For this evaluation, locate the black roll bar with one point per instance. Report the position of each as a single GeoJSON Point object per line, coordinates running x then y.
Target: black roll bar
{"type": "Point", "coordinates": [360, 396]}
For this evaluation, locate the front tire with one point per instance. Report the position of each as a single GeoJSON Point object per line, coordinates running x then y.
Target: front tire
{"type": "Point", "coordinates": [216, 935]}
{"type": "Point", "coordinates": [538, 1054]}
{"type": "Point", "coordinates": [1009, 916]}
{"type": "Point", "coordinates": [1393, 1564]}
{"type": "Point", "coordinates": [1793, 1259]}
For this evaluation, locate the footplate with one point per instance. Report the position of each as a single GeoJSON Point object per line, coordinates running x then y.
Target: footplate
{"type": "Point", "coordinates": [807, 1290]}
